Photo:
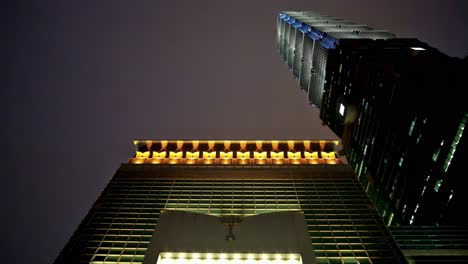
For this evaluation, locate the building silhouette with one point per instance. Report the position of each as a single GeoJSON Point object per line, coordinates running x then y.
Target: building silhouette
{"type": "Point", "coordinates": [396, 105]}
{"type": "Point", "coordinates": [180, 186]}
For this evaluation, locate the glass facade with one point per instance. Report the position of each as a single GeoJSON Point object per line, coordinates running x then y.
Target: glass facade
{"type": "Point", "coordinates": [433, 244]}
{"type": "Point", "coordinates": [379, 93]}
{"type": "Point", "coordinates": [342, 224]}
{"type": "Point", "coordinates": [304, 40]}
{"type": "Point", "coordinates": [396, 105]}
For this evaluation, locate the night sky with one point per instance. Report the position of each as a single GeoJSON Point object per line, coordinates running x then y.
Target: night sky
{"type": "Point", "coordinates": [85, 78]}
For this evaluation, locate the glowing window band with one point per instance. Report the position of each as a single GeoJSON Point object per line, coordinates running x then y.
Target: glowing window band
{"type": "Point", "coordinates": [227, 258]}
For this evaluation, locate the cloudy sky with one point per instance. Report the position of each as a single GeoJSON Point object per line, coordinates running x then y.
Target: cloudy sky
{"type": "Point", "coordinates": [85, 78]}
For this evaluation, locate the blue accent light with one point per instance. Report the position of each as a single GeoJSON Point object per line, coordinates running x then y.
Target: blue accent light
{"type": "Point", "coordinates": [282, 15]}
{"type": "Point", "coordinates": [329, 42]}
{"type": "Point", "coordinates": [297, 24]}
{"type": "Point", "coordinates": [304, 29]}
{"type": "Point", "coordinates": [314, 35]}
{"type": "Point", "coordinates": [291, 21]}
{"type": "Point", "coordinates": [286, 18]}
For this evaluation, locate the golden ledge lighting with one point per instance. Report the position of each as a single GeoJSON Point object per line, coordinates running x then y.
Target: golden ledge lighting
{"type": "Point", "coordinates": [227, 258]}
{"type": "Point", "coordinates": [241, 152]}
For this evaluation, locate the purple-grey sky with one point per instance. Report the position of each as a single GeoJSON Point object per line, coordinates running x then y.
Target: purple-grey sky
{"type": "Point", "coordinates": [84, 78]}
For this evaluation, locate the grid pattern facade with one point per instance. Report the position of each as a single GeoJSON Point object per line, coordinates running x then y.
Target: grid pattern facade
{"type": "Point", "coordinates": [307, 59]}
{"type": "Point", "coordinates": [342, 225]}
{"type": "Point", "coordinates": [317, 77]}
{"type": "Point", "coordinates": [297, 64]}
{"type": "Point", "coordinates": [293, 32]}
{"type": "Point", "coordinates": [282, 26]}
{"type": "Point", "coordinates": [394, 138]}
{"type": "Point", "coordinates": [304, 39]}
{"type": "Point", "coordinates": [278, 34]}
{"type": "Point", "coordinates": [433, 244]}
{"type": "Point", "coordinates": [285, 45]}
{"type": "Point", "coordinates": [431, 237]}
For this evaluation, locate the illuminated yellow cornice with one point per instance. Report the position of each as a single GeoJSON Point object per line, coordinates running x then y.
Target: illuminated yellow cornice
{"type": "Point", "coordinates": [222, 152]}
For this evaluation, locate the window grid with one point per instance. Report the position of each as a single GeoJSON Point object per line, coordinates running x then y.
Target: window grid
{"type": "Point", "coordinates": [342, 227]}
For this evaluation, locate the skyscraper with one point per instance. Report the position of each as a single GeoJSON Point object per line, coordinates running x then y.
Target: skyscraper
{"type": "Point", "coordinates": [264, 201]}
{"type": "Point", "coordinates": [396, 105]}
{"type": "Point", "coordinates": [233, 201]}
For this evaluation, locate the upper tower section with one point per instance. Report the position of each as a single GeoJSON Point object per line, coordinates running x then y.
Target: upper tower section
{"type": "Point", "coordinates": [397, 106]}
{"type": "Point", "coordinates": [304, 39]}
